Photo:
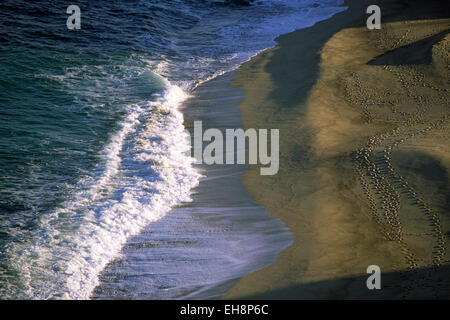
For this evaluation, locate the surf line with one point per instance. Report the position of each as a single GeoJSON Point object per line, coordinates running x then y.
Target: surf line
{"type": "Point", "coordinates": [236, 139]}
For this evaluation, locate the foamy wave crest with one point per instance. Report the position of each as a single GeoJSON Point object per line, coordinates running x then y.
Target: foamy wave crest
{"type": "Point", "coordinates": [144, 172]}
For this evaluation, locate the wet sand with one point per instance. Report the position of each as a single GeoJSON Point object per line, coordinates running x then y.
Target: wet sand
{"type": "Point", "coordinates": [200, 250]}
{"type": "Point", "coordinates": [364, 123]}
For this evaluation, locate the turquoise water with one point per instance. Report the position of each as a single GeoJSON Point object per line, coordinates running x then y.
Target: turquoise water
{"type": "Point", "coordinates": [92, 147]}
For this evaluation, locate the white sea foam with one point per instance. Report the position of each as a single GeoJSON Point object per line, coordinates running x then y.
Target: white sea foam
{"type": "Point", "coordinates": [144, 172]}
{"type": "Point", "coordinates": [236, 35]}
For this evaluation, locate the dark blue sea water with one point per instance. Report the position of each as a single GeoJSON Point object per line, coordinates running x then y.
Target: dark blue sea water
{"type": "Point", "coordinates": [92, 143]}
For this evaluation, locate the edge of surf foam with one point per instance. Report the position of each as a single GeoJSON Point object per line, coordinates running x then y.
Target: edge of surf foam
{"type": "Point", "coordinates": [149, 153]}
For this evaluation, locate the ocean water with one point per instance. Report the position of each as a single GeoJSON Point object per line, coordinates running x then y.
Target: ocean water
{"type": "Point", "coordinates": [92, 143]}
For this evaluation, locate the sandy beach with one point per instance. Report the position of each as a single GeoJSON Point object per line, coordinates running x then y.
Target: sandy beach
{"type": "Point", "coordinates": [121, 177]}
{"type": "Point", "coordinates": [364, 154]}
{"type": "Point", "coordinates": [202, 248]}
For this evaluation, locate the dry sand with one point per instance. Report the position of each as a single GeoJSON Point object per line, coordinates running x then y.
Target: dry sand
{"type": "Point", "coordinates": [364, 123]}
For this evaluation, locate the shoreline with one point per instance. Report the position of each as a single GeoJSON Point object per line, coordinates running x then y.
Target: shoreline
{"type": "Point", "coordinates": [200, 249]}
{"type": "Point", "coordinates": [222, 197]}
{"type": "Point", "coordinates": [330, 89]}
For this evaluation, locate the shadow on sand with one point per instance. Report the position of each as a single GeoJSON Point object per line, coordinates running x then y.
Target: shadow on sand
{"type": "Point", "coordinates": [425, 283]}
{"type": "Point", "coordinates": [403, 56]}
{"type": "Point", "coordinates": [283, 75]}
